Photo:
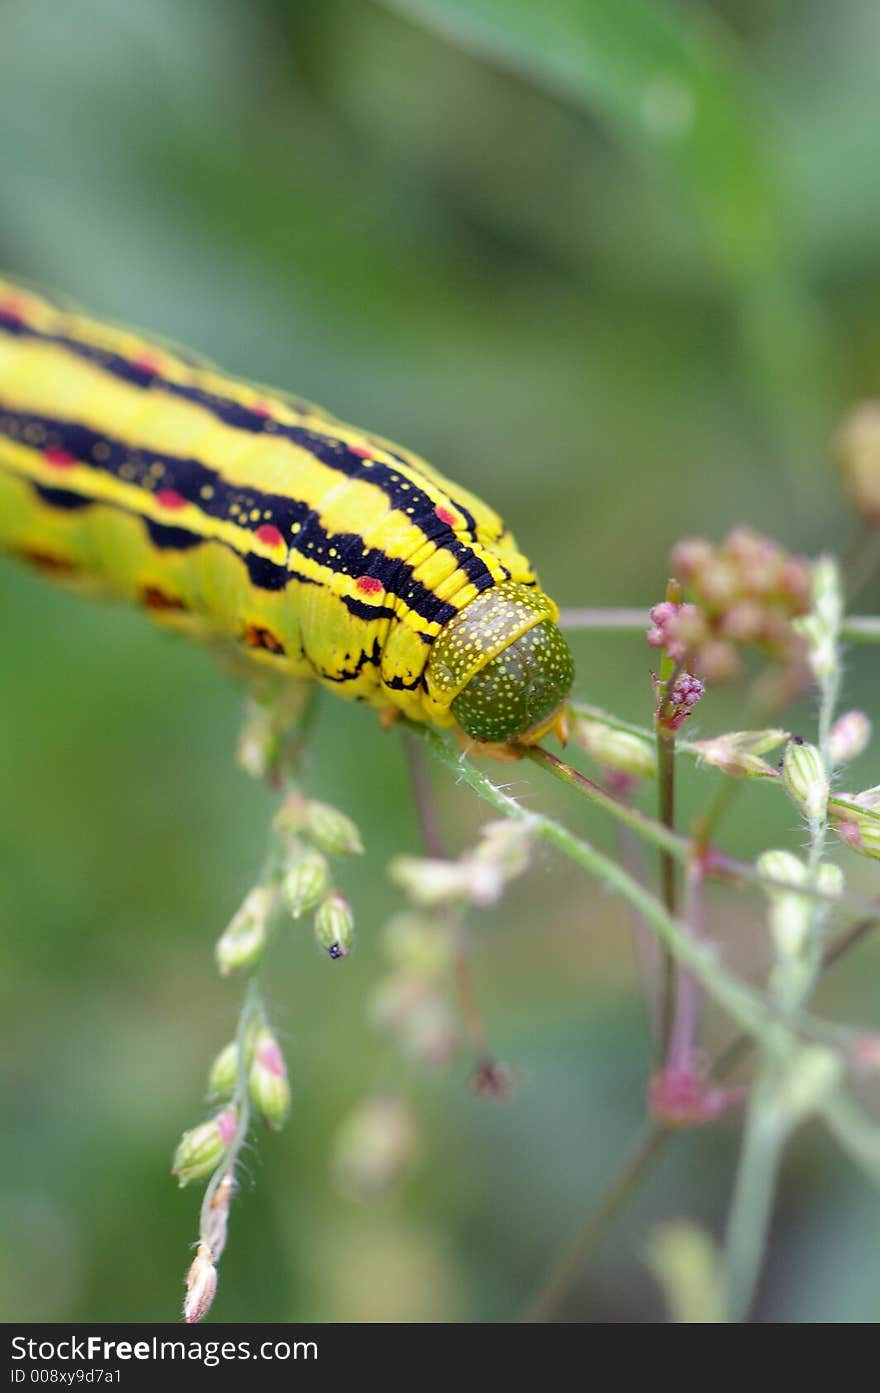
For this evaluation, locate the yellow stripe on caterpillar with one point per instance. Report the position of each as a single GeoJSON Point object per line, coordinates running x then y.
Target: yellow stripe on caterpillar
{"type": "Point", "coordinates": [237, 513]}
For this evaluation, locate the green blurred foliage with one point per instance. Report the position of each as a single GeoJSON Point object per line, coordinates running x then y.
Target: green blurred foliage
{"type": "Point", "coordinates": [617, 268]}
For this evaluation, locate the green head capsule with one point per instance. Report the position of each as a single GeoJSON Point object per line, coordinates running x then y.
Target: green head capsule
{"type": "Point", "coordinates": [505, 664]}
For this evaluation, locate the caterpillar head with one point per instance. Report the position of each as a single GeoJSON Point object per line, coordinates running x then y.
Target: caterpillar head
{"type": "Point", "coordinates": [507, 664]}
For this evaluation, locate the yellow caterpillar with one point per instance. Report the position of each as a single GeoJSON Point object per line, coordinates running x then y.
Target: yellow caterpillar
{"type": "Point", "coordinates": [241, 514]}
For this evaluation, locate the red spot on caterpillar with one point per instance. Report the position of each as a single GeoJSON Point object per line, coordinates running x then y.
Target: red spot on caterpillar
{"type": "Point", "coordinates": [446, 516]}
{"type": "Point", "coordinates": [13, 311]}
{"type": "Point", "coordinates": [368, 585]}
{"type": "Point", "coordinates": [360, 452]}
{"type": "Point", "coordinates": [170, 498]}
{"type": "Point", "coordinates": [269, 534]}
{"type": "Point", "coordinates": [59, 459]}
{"type": "Point", "coordinates": [261, 408]}
{"type": "Point", "coordinates": [147, 362]}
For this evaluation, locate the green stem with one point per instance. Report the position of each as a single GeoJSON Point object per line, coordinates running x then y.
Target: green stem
{"type": "Point", "coordinates": [680, 847]}
{"type": "Point", "coordinates": [741, 1003]}
{"type": "Point", "coordinates": [638, 1165]}
{"type": "Point", "coordinates": [855, 628]}
{"type": "Point", "coordinates": [768, 1123]}
{"type": "Point", "coordinates": [666, 802]}
{"type": "Point", "coordinates": [573, 1258]}
{"type": "Point", "coordinates": [752, 1204]}
{"type": "Point", "coordinates": [251, 1009]}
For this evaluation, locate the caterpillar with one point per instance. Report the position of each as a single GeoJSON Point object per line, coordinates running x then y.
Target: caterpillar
{"type": "Point", "coordinates": [249, 516]}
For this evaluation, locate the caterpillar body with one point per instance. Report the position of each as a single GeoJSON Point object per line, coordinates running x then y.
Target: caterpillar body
{"type": "Point", "coordinates": [240, 514]}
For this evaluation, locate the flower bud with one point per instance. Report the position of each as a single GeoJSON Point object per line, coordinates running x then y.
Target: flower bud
{"type": "Point", "coordinates": [258, 742]}
{"type": "Point", "coordinates": [305, 883]}
{"type": "Point", "coordinates": [806, 781]}
{"type": "Point", "coordinates": [224, 1072]}
{"type": "Point", "coordinates": [860, 835]}
{"type": "Point", "coordinates": [857, 448]}
{"type": "Point", "coordinates": [267, 1081]}
{"type": "Point", "coordinates": [849, 737]}
{"type": "Point", "coordinates": [243, 941]}
{"type": "Point", "coordinates": [334, 925]}
{"type": "Point", "coordinates": [201, 1149]}
{"type": "Point", "coordinates": [782, 866]}
{"type": "Point", "coordinates": [332, 831]}
{"type": "Point", "coordinates": [374, 1147]}
{"type": "Point", "coordinates": [505, 846]}
{"type": "Point", "coordinates": [201, 1286]}
{"type": "Point", "coordinates": [813, 1074]}
{"type": "Point", "coordinates": [616, 749]}
{"type": "Point", "coordinates": [429, 881]}
{"type": "Point", "coordinates": [674, 708]}
{"type": "Point", "coordinates": [789, 912]}
{"type": "Point", "coordinates": [738, 754]}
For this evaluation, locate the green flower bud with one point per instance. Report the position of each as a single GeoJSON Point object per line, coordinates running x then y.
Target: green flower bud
{"type": "Point", "coordinates": [782, 866]}
{"type": "Point", "coordinates": [332, 831]}
{"type": "Point", "coordinates": [616, 749]}
{"type": "Point", "coordinates": [829, 879]}
{"type": "Point", "coordinates": [790, 913]}
{"type": "Point", "coordinates": [738, 753]}
{"type": "Point", "coordinates": [201, 1149]}
{"type": "Point", "coordinates": [813, 1074]}
{"type": "Point", "coordinates": [806, 781]}
{"type": "Point", "coordinates": [224, 1072]}
{"type": "Point", "coordinates": [267, 1081]}
{"type": "Point", "coordinates": [305, 883]}
{"type": "Point", "coordinates": [334, 925]}
{"type": "Point", "coordinates": [258, 746]}
{"type": "Point", "coordinates": [243, 941]}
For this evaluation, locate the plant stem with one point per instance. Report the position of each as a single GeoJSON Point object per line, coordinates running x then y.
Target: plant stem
{"type": "Point", "coordinates": [251, 1008]}
{"type": "Point", "coordinates": [666, 805]}
{"type": "Point", "coordinates": [653, 1143]}
{"type": "Point", "coordinates": [681, 1057]}
{"type": "Point", "coordinates": [855, 628]}
{"type": "Point", "coordinates": [740, 1001]}
{"type": "Point", "coordinates": [573, 1258]}
{"type": "Point", "coordinates": [754, 1188]}
{"type": "Point", "coordinates": [681, 847]}
{"type": "Point", "coordinates": [770, 1118]}
{"type": "Point", "coordinates": [432, 834]}
{"type": "Point", "coordinates": [649, 830]}
{"type": "Point", "coordinates": [621, 620]}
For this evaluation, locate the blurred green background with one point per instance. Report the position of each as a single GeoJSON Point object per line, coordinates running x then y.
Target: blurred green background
{"type": "Point", "coordinates": [616, 267]}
